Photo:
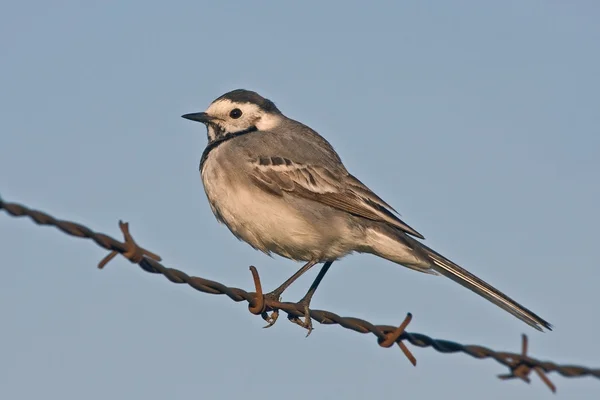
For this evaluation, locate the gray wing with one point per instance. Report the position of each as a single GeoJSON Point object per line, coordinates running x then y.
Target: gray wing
{"type": "Point", "coordinates": [335, 188]}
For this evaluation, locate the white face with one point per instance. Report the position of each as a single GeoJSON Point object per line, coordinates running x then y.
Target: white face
{"type": "Point", "coordinates": [230, 117]}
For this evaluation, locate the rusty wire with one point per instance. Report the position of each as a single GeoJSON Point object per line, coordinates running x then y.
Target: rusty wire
{"type": "Point", "coordinates": [520, 365]}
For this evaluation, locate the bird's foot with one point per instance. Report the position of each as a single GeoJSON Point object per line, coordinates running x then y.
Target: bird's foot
{"type": "Point", "coordinates": [271, 318]}
{"type": "Point", "coordinates": [307, 322]}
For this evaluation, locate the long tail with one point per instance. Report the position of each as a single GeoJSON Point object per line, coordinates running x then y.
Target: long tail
{"type": "Point", "coordinates": [460, 275]}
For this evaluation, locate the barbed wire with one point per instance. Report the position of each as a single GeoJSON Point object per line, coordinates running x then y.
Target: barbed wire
{"type": "Point", "coordinates": [520, 365]}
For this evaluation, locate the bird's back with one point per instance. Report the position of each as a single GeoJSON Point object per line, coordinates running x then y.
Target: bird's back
{"type": "Point", "coordinates": [294, 141]}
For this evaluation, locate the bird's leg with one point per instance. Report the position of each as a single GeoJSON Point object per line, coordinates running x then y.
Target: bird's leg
{"type": "Point", "coordinates": [305, 301]}
{"type": "Point", "coordinates": [276, 294]}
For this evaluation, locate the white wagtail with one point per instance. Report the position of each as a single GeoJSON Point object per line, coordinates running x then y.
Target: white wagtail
{"type": "Point", "coordinates": [281, 187]}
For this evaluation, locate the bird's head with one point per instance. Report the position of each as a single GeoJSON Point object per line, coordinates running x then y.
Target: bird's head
{"type": "Point", "coordinates": [236, 112]}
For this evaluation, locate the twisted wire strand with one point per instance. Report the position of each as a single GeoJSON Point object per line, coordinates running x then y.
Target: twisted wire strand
{"type": "Point", "coordinates": [520, 365]}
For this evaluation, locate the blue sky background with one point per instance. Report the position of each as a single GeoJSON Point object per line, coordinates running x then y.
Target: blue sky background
{"type": "Point", "coordinates": [478, 121]}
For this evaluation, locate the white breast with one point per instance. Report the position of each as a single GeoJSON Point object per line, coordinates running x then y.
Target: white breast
{"type": "Point", "coordinates": [265, 221]}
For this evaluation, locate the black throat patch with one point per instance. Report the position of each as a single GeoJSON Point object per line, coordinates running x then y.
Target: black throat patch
{"type": "Point", "coordinates": [217, 142]}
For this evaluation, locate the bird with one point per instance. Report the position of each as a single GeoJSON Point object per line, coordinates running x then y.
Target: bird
{"type": "Point", "coordinates": [282, 188]}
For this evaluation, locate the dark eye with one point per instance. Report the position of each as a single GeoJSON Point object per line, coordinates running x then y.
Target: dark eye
{"type": "Point", "coordinates": [235, 113]}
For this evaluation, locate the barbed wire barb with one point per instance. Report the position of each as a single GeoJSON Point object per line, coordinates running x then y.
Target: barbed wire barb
{"type": "Point", "coordinates": [522, 369]}
{"type": "Point", "coordinates": [520, 365]}
{"type": "Point", "coordinates": [134, 253]}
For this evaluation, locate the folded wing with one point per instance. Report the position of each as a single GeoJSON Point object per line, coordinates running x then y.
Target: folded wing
{"type": "Point", "coordinates": [337, 189]}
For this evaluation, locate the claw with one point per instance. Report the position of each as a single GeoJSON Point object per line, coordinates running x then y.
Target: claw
{"type": "Point", "coordinates": [306, 323]}
{"type": "Point", "coordinates": [270, 318]}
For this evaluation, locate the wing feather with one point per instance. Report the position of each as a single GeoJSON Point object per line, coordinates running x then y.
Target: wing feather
{"type": "Point", "coordinates": [342, 190]}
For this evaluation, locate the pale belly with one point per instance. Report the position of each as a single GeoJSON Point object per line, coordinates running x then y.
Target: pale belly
{"type": "Point", "coordinates": [271, 223]}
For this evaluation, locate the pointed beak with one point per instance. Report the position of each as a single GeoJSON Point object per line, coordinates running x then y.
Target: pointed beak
{"type": "Point", "coordinates": [198, 117]}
